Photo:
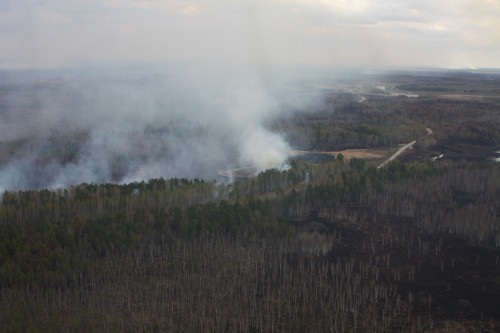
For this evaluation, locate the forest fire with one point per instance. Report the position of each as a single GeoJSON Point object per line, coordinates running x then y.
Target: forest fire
{"type": "Point", "coordinates": [251, 171]}
{"type": "Point", "coordinates": [239, 173]}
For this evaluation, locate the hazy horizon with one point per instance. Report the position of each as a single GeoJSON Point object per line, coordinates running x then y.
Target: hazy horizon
{"type": "Point", "coordinates": [182, 88]}
{"type": "Point", "coordinates": [360, 33]}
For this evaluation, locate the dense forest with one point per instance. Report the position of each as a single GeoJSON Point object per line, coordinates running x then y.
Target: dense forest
{"type": "Point", "coordinates": [336, 246]}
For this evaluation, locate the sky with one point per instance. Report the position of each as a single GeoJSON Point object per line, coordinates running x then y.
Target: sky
{"type": "Point", "coordinates": [389, 33]}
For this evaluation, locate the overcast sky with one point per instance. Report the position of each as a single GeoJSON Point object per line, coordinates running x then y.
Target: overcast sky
{"type": "Point", "coordinates": [72, 33]}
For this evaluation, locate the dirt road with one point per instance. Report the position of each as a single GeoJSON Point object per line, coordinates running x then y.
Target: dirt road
{"type": "Point", "coordinates": [403, 149]}
{"type": "Point", "coordinates": [397, 153]}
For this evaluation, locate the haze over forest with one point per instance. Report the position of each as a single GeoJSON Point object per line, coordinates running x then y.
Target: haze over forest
{"type": "Point", "coordinates": [249, 166]}
{"type": "Point", "coordinates": [127, 125]}
{"type": "Point", "coordinates": [141, 88]}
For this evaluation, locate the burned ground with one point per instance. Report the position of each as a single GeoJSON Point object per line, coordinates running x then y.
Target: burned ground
{"type": "Point", "coordinates": [334, 245]}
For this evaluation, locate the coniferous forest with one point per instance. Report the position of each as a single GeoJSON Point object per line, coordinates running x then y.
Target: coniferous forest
{"type": "Point", "coordinates": [338, 245]}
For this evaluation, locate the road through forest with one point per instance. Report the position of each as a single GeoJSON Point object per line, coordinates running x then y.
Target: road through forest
{"type": "Point", "coordinates": [403, 149]}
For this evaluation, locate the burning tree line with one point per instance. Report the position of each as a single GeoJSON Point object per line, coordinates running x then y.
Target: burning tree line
{"type": "Point", "coordinates": [181, 255]}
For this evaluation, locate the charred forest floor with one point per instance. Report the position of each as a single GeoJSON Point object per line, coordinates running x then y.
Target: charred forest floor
{"type": "Point", "coordinates": [454, 280]}
{"type": "Point", "coordinates": [330, 245]}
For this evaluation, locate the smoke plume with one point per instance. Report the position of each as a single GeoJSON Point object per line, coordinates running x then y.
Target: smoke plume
{"type": "Point", "coordinates": [60, 128]}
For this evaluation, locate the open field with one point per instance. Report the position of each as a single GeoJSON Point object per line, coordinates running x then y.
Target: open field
{"type": "Point", "coordinates": [348, 153]}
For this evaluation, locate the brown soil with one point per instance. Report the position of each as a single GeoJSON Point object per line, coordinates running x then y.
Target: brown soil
{"type": "Point", "coordinates": [349, 153]}
{"type": "Point", "coordinates": [462, 97]}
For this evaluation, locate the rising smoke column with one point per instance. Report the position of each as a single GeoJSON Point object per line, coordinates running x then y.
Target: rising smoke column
{"type": "Point", "coordinates": [263, 149]}
{"type": "Point", "coordinates": [69, 127]}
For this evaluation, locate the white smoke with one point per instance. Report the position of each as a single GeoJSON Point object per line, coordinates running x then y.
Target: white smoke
{"type": "Point", "coordinates": [263, 149]}
{"type": "Point", "coordinates": [65, 128]}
